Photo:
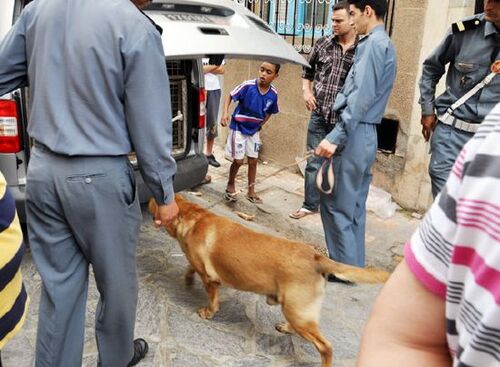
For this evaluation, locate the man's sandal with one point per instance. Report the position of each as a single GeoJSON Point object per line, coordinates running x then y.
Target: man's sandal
{"type": "Point", "coordinates": [140, 350]}
{"type": "Point", "coordinates": [301, 213]}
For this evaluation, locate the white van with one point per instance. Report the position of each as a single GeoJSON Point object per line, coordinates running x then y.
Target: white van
{"type": "Point", "coordinates": [191, 30]}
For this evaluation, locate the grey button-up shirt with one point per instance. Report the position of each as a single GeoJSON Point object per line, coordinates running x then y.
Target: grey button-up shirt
{"type": "Point", "coordinates": [470, 54]}
{"type": "Point", "coordinates": [367, 87]}
{"type": "Point", "coordinates": [98, 83]}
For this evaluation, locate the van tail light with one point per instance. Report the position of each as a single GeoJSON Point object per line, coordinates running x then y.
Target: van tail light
{"type": "Point", "coordinates": [10, 139]}
{"type": "Point", "coordinates": [203, 110]}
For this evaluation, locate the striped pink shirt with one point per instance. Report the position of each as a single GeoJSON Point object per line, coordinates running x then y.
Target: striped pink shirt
{"type": "Point", "coordinates": [456, 251]}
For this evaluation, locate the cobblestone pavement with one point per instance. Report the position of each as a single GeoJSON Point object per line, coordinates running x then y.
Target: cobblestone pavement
{"type": "Point", "coordinates": [242, 333]}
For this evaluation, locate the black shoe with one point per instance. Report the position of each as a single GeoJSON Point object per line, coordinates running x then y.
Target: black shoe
{"type": "Point", "coordinates": [333, 279]}
{"type": "Point", "coordinates": [140, 350]}
{"type": "Point", "coordinates": [212, 161]}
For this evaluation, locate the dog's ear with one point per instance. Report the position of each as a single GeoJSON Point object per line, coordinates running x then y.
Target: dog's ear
{"type": "Point", "coordinates": [179, 199]}
{"type": "Point", "coordinates": [171, 227]}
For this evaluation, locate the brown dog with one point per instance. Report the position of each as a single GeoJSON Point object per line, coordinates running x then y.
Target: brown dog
{"type": "Point", "coordinates": [289, 273]}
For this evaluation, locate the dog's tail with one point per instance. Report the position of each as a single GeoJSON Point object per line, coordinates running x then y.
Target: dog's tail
{"type": "Point", "coordinates": [349, 273]}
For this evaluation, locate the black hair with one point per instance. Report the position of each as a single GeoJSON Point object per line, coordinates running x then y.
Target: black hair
{"type": "Point", "coordinates": [277, 67]}
{"type": "Point", "coordinates": [341, 5]}
{"type": "Point", "coordinates": [379, 6]}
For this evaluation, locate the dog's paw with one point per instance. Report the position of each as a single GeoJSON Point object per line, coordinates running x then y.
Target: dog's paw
{"type": "Point", "coordinates": [205, 313]}
{"type": "Point", "coordinates": [284, 327]}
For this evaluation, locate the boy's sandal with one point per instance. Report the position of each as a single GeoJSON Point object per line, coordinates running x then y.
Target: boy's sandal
{"type": "Point", "coordinates": [231, 196]}
{"type": "Point", "coordinates": [254, 199]}
{"type": "Point", "coordinates": [301, 213]}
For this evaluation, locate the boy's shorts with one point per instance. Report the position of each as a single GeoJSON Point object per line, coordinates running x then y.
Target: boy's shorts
{"type": "Point", "coordinates": [212, 112]}
{"type": "Point", "coordinates": [239, 145]}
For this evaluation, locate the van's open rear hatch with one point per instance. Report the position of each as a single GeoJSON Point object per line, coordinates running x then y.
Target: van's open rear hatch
{"type": "Point", "coordinates": [195, 29]}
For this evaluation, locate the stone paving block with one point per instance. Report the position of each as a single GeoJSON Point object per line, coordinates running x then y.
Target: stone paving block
{"type": "Point", "coordinates": [200, 336]}
{"type": "Point", "coordinates": [254, 361]}
{"type": "Point", "coordinates": [280, 344]}
{"type": "Point", "coordinates": [267, 317]}
{"type": "Point", "coordinates": [185, 360]}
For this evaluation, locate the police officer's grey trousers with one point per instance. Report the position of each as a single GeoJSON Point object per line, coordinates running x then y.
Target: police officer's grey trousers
{"type": "Point", "coordinates": [317, 130]}
{"type": "Point", "coordinates": [343, 212]}
{"type": "Point", "coordinates": [446, 144]}
{"type": "Point", "coordinates": [81, 211]}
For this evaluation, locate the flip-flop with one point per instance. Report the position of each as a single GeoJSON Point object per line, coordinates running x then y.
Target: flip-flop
{"type": "Point", "coordinates": [254, 199]}
{"type": "Point", "coordinates": [301, 213]}
{"type": "Point", "coordinates": [230, 196]}
{"type": "Point", "coordinates": [206, 180]}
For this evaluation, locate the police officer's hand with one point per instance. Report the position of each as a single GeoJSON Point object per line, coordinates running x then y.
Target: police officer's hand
{"type": "Point", "coordinates": [165, 213]}
{"type": "Point", "coordinates": [224, 120]}
{"type": "Point", "coordinates": [325, 149]}
{"type": "Point", "coordinates": [310, 100]}
{"type": "Point", "coordinates": [428, 125]}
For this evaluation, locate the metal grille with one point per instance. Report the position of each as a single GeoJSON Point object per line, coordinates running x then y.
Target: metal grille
{"type": "Point", "coordinates": [175, 68]}
{"type": "Point", "coordinates": [178, 95]}
{"type": "Point", "coordinates": [302, 22]}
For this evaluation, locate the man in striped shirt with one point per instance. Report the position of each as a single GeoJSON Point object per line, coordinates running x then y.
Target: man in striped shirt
{"type": "Point", "coordinates": [441, 305]}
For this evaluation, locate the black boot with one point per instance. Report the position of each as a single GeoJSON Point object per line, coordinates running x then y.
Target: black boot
{"type": "Point", "coordinates": [140, 350]}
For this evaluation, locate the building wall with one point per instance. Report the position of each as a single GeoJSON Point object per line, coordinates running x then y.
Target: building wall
{"type": "Point", "coordinates": [419, 25]}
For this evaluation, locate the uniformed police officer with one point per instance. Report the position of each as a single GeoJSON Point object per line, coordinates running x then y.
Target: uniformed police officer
{"type": "Point", "coordinates": [98, 87]}
{"type": "Point", "coordinates": [352, 144]}
{"type": "Point", "coordinates": [471, 47]}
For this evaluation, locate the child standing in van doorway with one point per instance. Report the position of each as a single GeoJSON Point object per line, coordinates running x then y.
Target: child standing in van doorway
{"type": "Point", "coordinates": [257, 100]}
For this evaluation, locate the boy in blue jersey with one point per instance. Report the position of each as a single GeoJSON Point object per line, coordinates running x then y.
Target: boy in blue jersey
{"type": "Point", "coordinates": [257, 100]}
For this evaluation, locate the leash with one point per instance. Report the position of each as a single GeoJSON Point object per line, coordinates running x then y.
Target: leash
{"type": "Point", "coordinates": [231, 197]}
{"type": "Point", "coordinates": [325, 177]}
{"type": "Point", "coordinates": [308, 155]}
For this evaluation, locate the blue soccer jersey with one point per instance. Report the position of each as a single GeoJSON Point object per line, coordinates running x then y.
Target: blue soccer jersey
{"type": "Point", "coordinates": [253, 106]}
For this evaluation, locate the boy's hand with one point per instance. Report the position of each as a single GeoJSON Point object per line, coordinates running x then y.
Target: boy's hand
{"type": "Point", "coordinates": [224, 120]}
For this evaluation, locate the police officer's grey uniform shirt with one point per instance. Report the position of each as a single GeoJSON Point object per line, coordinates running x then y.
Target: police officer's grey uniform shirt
{"type": "Point", "coordinates": [102, 92]}
{"type": "Point", "coordinates": [470, 54]}
{"type": "Point", "coordinates": [368, 85]}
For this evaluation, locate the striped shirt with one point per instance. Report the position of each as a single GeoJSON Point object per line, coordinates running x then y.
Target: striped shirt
{"type": "Point", "coordinates": [253, 106]}
{"type": "Point", "coordinates": [329, 68]}
{"type": "Point", "coordinates": [13, 297]}
{"type": "Point", "coordinates": [456, 251]}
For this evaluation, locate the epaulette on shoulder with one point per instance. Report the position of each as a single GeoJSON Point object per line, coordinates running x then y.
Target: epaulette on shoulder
{"type": "Point", "coordinates": [465, 25]}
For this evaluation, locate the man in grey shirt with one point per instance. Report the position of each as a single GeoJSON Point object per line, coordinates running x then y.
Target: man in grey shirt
{"type": "Point", "coordinates": [98, 89]}
{"type": "Point", "coordinates": [352, 144]}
